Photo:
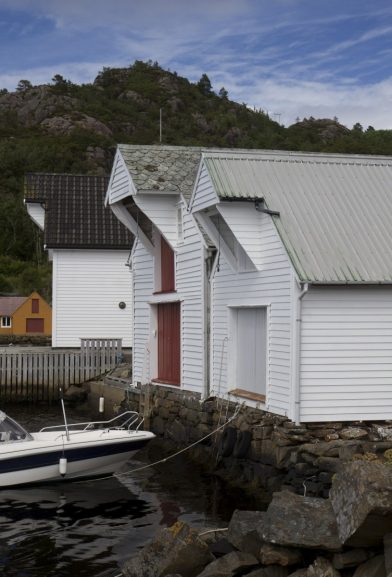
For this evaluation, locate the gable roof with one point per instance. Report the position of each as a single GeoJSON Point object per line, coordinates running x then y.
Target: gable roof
{"type": "Point", "coordinates": [158, 168]}
{"type": "Point", "coordinates": [335, 210]}
{"type": "Point", "coordinates": [8, 305]}
{"type": "Point", "coordinates": [75, 215]}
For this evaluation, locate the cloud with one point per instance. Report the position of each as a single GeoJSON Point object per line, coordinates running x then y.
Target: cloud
{"type": "Point", "coordinates": [293, 57]}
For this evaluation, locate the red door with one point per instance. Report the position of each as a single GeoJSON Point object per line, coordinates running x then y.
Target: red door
{"type": "Point", "coordinates": [169, 343]}
{"type": "Point", "coordinates": [34, 325]}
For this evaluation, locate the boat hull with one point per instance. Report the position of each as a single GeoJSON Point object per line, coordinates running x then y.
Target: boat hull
{"type": "Point", "coordinates": [38, 461]}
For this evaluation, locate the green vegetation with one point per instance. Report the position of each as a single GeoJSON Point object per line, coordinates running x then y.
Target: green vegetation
{"type": "Point", "coordinates": [64, 127]}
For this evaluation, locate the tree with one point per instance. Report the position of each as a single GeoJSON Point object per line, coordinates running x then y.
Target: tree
{"type": "Point", "coordinates": [204, 85]}
{"type": "Point", "coordinates": [223, 93]}
{"type": "Point", "coordinates": [24, 85]}
{"type": "Point", "coordinates": [358, 127]}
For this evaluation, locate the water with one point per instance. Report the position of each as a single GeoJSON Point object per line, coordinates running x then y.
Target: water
{"type": "Point", "coordinates": [87, 529]}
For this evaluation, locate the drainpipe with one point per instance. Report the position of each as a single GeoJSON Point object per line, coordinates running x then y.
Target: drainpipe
{"type": "Point", "coordinates": [298, 326]}
{"type": "Point", "coordinates": [208, 266]}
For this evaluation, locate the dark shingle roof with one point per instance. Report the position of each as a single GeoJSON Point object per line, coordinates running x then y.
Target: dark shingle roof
{"type": "Point", "coordinates": [75, 215]}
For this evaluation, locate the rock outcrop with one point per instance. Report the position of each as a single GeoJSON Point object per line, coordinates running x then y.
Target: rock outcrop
{"type": "Point", "coordinates": [296, 536]}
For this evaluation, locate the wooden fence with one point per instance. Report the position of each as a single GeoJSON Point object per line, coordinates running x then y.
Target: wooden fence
{"type": "Point", "coordinates": [38, 375]}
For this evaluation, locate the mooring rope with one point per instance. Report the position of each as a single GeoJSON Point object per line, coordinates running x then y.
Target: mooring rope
{"type": "Point", "coordinates": [128, 472]}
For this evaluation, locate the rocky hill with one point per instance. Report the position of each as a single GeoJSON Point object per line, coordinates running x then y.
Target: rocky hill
{"type": "Point", "coordinates": [65, 127]}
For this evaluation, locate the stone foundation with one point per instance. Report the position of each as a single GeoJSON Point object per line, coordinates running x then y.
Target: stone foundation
{"type": "Point", "coordinates": [258, 450]}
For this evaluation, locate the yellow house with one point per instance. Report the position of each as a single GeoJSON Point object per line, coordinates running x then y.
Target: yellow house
{"type": "Point", "coordinates": [21, 316]}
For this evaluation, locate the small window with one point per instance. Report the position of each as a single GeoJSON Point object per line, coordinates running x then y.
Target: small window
{"type": "Point", "coordinates": [6, 322]}
{"type": "Point", "coordinates": [167, 267]}
{"type": "Point", "coordinates": [35, 305]}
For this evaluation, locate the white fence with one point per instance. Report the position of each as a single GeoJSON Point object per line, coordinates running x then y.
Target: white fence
{"type": "Point", "coordinates": [30, 375]}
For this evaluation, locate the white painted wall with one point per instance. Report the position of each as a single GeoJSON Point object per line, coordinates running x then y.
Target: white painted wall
{"type": "Point", "coordinates": [346, 354]}
{"type": "Point", "coordinates": [162, 211]}
{"type": "Point", "coordinates": [189, 290]}
{"type": "Point", "coordinates": [120, 185]}
{"type": "Point", "coordinates": [87, 287]}
{"type": "Point", "coordinates": [37, 213]}
{"type": "Point", "coordinates": [143, 288]}
{"type": "Point", "coordinates": [204, 195]}
{"type": "Point", "coordinates": [272, 287]}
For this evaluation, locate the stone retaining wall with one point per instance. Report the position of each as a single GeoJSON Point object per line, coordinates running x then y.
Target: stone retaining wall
{"type": "Point", "coordinates": [274, 453]}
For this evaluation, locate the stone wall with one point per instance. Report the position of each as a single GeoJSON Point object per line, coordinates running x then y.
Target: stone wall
{"type": "Point", "coordinates": [258, 450]}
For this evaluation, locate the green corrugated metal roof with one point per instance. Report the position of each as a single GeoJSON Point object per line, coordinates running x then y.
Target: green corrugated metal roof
{"type": "Point", "coordinates": [335, 211]}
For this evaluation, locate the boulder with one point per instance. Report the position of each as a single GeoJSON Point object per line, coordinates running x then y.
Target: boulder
{"type": "Point", "coordinates": [276, 555]}
{"type": "Point", "coordinates": [271, 571]}
{"type": "Point", "coordinates": [373, 568]}
{"type": "Point", "coordinates": [230, 565]}
{"type": "Point", "coordinates": [361, 497]}
{"type": "Point", "coordinates": [322, 568]}
{"type": "Point", "coordinates": [295, 521]}
{"type": "Point", "coordinates": [176, 549]}
{"type": "Point", "coordinates": [350, 558]}
{"type": "Point", "coordinates": [388, 554]}
{"type": "Point", "coordinates": [245, 530]}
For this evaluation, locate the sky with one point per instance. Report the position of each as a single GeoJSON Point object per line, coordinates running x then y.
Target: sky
{"type": "Point", "coordinates": [291, 58]}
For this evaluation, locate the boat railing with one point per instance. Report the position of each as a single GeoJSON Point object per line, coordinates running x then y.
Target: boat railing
{"type": "Point", "coordinates": [129, 419]}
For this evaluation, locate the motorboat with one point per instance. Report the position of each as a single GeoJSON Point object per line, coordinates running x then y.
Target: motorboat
{"type": "Point", "coordinates": [68, 451]}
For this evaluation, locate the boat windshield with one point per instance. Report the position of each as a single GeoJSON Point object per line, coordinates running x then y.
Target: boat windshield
{"type": "Point", "coordinates": [10, 430]}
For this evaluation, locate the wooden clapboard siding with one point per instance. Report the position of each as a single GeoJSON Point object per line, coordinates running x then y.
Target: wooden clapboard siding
{"type": "Point", "coordinates": [120, 185]}
{"type": "Point", "coordinates": [270, 286]}
{"type": "Point", "coordinates": [162, 211]}
{"type": "Point", "coordinates": [206, 195]}
{"type": "Point", "coordinates": [346, 354]}
{"type": "Point", "coordinates": [190, 289]}
{"type": "Point", "coordinates": [143, 287]}
{"type": "Point", "coordinates": [88, 286]}
{"type": "Point", "coordinates": [37, 213]}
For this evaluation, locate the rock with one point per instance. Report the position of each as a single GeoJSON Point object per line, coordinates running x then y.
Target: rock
{"type": "Point", "coordinates": [388, 554]}
{"type": "Point", "coordinates": [373, 568]}
{"type": "Point", "coordinates": [229, 565]}
{"type": "Point", "coordinates": [299, 573]}
{"type": "Point", "coordinates": [177, 549]}
{"type": "Point", "coordinates": [276, 555]}
{"type": "Point", "coordinates": [75, 394]}
{"type": "Point", "coordinates": [296, 521]}
{"type": "Point", "coordinates": [245, 530]}
{"type": "Point", "coordinates": [361, 497]}
{"type": "Point", "coordinates": [350, 558]}
{"type": "Point", "coordinates": [353, 433]}
{"type": "Point", "coordinates": [322, 568]}
{"type": "Point", "coordinates": [271, 571]}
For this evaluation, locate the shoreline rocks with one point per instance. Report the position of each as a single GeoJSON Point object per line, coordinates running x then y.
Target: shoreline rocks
{"type": "Point", "coordinates": [296, 536]}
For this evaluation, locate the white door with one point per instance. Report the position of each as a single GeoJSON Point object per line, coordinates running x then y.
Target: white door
{"type": "Point", "coordinates": [251, 349]}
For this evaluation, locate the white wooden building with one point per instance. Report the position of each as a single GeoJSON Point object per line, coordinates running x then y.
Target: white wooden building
{"type": "Point", "coordinates": [89, 249]}
{"type": "Point", "coordinates": [301, 305]}
{"type": "Point", "coordinates": [149, 190]}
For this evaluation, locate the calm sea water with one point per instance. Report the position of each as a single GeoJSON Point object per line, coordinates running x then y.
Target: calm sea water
{"type": "Point", "coordinates": [88, 529]}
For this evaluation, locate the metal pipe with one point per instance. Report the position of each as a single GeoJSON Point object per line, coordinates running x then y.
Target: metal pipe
{"type": "Point", "coordinates": [298, 326]}
{"type": "Point", "coordinates": [64, 415]}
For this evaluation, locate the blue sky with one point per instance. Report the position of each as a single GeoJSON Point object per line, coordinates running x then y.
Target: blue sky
{"type": "Point", "coordinates": [291, 58]}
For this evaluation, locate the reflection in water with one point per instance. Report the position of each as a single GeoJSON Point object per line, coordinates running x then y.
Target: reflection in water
{"type": "Point", "coordinates": [54, 530]}
{"type": "Point", "coordinates": [87, 529]}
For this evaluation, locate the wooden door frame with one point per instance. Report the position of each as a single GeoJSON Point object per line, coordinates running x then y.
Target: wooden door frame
{"type": "Point", "coordinates": [155, 339]}
{"type": "Point", "coordinates": [232, 343]}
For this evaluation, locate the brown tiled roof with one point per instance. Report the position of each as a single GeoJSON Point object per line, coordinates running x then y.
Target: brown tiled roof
{"type": "Point", "coordinates": [75, 215]}
{"type": "Point", "coordinates": [8, 305]}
